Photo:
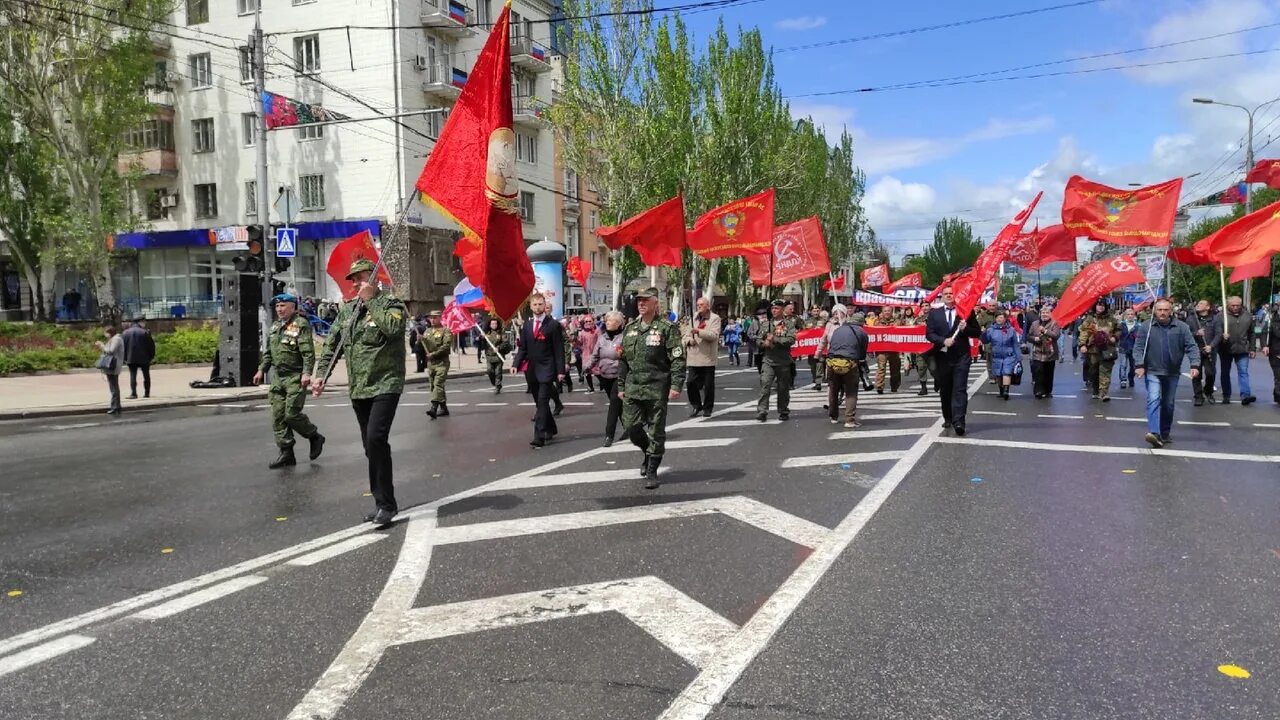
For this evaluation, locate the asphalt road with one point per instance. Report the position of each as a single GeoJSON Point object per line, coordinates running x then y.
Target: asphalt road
{"type": "Point", "coordinates": [1047, 565]}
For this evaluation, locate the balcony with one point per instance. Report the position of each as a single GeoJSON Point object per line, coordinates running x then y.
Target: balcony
{"type": "Point", "coordinates": [150, 163]}
{"type": "Point", "coordinates": [160, 95]}
{"type": "Point", "coordinates": [444, 81]}
{"type": "Point", "coordinates": [529, 112]}
{"type": "Point", "coordinates": [528, 54]}
{"type": "Point", "coordinates": [570, 206]}
{"type": "Point", "coordinates": [449, 17]}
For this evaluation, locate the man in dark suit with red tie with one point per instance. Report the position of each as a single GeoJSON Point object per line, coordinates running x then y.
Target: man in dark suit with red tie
{"type": "Point", "coordinates": [541, 355]}
{"type": "Point", "coordinates": [950, 335]}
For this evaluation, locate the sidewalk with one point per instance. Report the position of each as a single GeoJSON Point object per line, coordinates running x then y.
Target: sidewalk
{"type": "Point", "coordinates": [85, 391]}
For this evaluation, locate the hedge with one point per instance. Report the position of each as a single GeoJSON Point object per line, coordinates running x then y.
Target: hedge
{"type": "Point", "coordinates": [29, 348]}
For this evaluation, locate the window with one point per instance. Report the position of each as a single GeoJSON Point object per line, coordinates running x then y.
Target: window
{"type": "Point", "coordinates": [202, 135]}
{"type": "Point", "coordinates": [571, 183]}
{"type": "Point", "coordinates": [435, 122]}
{"type": "Point", "coordinates": [247, 6]}
{"type": "Point", "coordinates": [250, 198]}
{"type": "Point", "coordinates": [594, 221]}
{"type": "Point", "coordinates": [439, 53]}
{"type": "Point", "coordinates": [197, 12]}
{"type": "Point", "coordinates": [249, 126]}
{"type": "Point", "coordinates": [206, 200]}
{"type": "Point", "coordinates": [246, 64]}
{"type": "Point", "coordinates": [160, 81]}
{"type": "Point", "coordinates": [150, 135]}
{"type": "Point", "coordinates": [310, 132]}
{"type": "Point", "coordinates": [306, 54]}
{"type": "Point", "coordinates": [571, 240]}
{"type": "Point", "coordinates": [527, 148]}
{"type": "Point", "coordinates": [526, 206]}
{"type": "Point", "coordinates": [201, 71]}
{"type": "Point", "coordinates": [526, 85]}
{"type": "Point", "coordinates": [153, 210]}
{"type": "Point", "coordinates": [311, 190]}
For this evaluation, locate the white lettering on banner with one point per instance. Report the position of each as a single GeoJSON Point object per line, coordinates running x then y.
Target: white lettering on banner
{"type": "Point", "coordinates": [807, 342]}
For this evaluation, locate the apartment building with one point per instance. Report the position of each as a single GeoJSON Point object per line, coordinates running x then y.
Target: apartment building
{"type": "Point", "coordinates": [577, 217]}
{"type": "Point", "coordinates": [198, 155]}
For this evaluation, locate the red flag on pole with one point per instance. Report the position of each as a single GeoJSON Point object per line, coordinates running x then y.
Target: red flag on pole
{"type": "Point", "coordinates": [456, 318]}
{"type": "Point", "coordinates": [914, 280]}
{"type": "Point", "coordinates": [877, 276]}
{"type": "Point", "coordinates": [836, 283]}
{"type": "Point", "coordinates": [742, 227]}
{"type": "Point", "coordinates": [799, 252]}
{"type": "Point", "coordinates": [1094, 281]}
{"type": "Point", "coordinates": [348, 251]}
{"type": "Point", "coordinates": [1038, 248]}
{"type": "Point", "coordinates": [1240, 273]}
{"type": "Point", "coordinates": [470, 175]}
{"type": "Point", "coordinates": [1193, 255]}
{"type": "Point", "coordinates": [1247, 240]}
{"type": "Point", "coordinates": [1125, 217]}
{"type": "Point", "coordinates": [578, 269]}
{"type": "Point", "coordinates": [1266, 172]}
{"type": "Point", "coordinates": [988, 263]}
{"type": "Point", "coordinates": [657, 234]}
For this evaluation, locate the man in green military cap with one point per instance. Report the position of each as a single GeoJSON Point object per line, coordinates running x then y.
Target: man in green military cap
{"type": "Point", "coordinates": [438, 342]}
{"type": "Point", "coordinates": [777, 337]}
{"type": "Point", "coordinates": [497, 347]}
{"type": "Point", "coordinates": [650, 374]}
{"type": "Point", "coordinates": [369, 330]}
{"type": "Point", "coordinates": [290, 353]}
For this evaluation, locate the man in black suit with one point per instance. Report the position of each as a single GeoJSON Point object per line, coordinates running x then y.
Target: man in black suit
{"type": "Point", "coordinates": [950, 335]}
{"type": "Point", "coordinates": [542, 355]}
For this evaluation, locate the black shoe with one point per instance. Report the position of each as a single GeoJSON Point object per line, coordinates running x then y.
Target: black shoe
{"type": "Point", "coordinates": [383, 517]}
{"type": "Point", "coordinates": [133, 397]}
{"type": "Point", "coordinates": [1226, 400]}
{"type": "Point", "coordinates": [1209, 398]}
{"type": "Point", "coordinates": [706, 413]}
{"type": "Point", "coordinates": [434, 410]}
{"type": "Point", "coordinates": [879, 391]}
{"type": "Point", "coordinates": [537, 442]}
{"type": "Point", "coordinates": [444, 409]}
{"type": "Point", "coordinates": [317, 445]}
{"type": "Point", "coordinates": [371, 516]}
{"type": "Point", "coordinates": [1166, 439]}
{"type": "Point", "coordinates": [497, 390]}
{"type": "Point", "coordinates": [784, 416]}
{"type": "Point", "coordinates": [651, 473]}
{"type": "Point", "coordinates": [559, 409]}
{"type": "Point", "coordinates": [946, 425]}
{"type": "Point", "coordinates": [608, 440]}
{"type": "Point", "coordinates": [924, 390]}
{"type": "Point", "coordinates": [817, 387]}
{"type": "Point", "coordinates": [695, 412]}
{"type": "Point", "coordinates": [147, 396]}
{"type": "Point", "coordinates": [959, 430]}
{"type": "Point", "coordinates": [286, 458]}
{"type": "Point", "coordinates": [1106, 399]}
{"type": "Point", "coordinates": [1248, 400]}
{"type": "Point", "coordinates": [1199, 401]}
{"type": "Point", "coordinates": [1154, 440]}
{"type": "Point", "coordinates": [761, 417]}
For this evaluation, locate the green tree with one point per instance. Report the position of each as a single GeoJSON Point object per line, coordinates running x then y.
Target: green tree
{"type": "Point", "coordinates": [952, 249]}
{"type": "Point", "coordinates": [29, 201]}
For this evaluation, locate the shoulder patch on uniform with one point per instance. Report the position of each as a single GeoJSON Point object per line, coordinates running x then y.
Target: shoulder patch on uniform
{"type": "Point", "coordinates": [395, 313]}
{"type": "Point", "coordinates": [676, 352]}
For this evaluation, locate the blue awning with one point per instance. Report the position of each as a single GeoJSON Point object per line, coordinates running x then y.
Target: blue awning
{"type": "Point", "coordinates": [313, 232]}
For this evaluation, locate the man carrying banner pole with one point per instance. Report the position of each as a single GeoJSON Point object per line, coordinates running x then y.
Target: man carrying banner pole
{"type": "Point", "coordinates": [438, 341]}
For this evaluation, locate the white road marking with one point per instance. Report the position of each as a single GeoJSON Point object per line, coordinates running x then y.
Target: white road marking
{"type": "Point", "coordinates": [1061, 417]}
{"type": "Point", "coordinates": [741, 389]}
{"type": "Point", "coordinates": [901, 416]}
{"type": "Point", "coordinates": [818, 460]}
{"type": "Point", "coordinates": [1204, 423]}
{"type": "Point", "coordinates": [73, 426]}
{"type": "Point", "coordinates": [492, 404]}
{"type": "Point", "coordinates": [577, 478]}
{"type": "Point", "coordinates": [335, 550]}
{"type": "Point", "coordinates": [200, 597]}
{"type": "Point", "coordinates": [991, 412]}
{"type": "Point", "coordinates": [1065, 396]}
{"type": "Point", "coordinates": [1124, 419]}
{"type": "Point", "coordinates": [578, 404]}
{"type": "Point", "coordinates": [676, 445]}
{"type": "Point", "coordinates": [336, 405]}
{"type": "Point", "coordinates": [40, 653]}
{"type": "Point", "coordinates": [733, 656]}
{"type": "Point", "coordinates": [1108, 449]}
{"type": "Point", "coordinates": [528, 404]}
{"type": "Point", "coordinates": [413, 404]}
{"type": "Point", "coordinates": [1267, 425]}
{"type": "Point", "coordinates": [733, 423]}
{"type": "Point", "coordinates": [860, 434]}
{"type": "Point", "coordinates": [685, 626]}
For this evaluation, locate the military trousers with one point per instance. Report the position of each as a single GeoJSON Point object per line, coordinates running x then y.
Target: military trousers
{"type": "Point", "coordinates": [287, 398]}
{"type": "Point", "coordinates": [437, 373]}
{"type": "Point", "coordinates": [892, 362]}
{"type": "Point", "coordinates": [645, 423]}
{"type": "Point", "coordinates": [772, 376]}
{"type": "Point", "coordinates": [495, 372]}
{"type": "Point", "coordinates": [1097, 372]}
{"type": "Point", "coordinates": [921, 362]}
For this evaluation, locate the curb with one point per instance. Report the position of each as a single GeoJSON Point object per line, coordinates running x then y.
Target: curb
{"type": "Point", "coordinates": [34, 413]}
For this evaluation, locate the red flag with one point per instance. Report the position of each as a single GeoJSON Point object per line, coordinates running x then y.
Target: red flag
{"type": "Point", "coordinates": [1193, 255]}
{"type": "Point", "coordinates": [877, 276]}
{"type": "Point", "coordinates": [988, 263]}
{"type": "Point", "coordinates": [657, 234]}
{"type": "Point", "coordinates": [1247, 240]}
{"type": "Point", "coordinates": [1266, 172]}
{"type": "Point", "coordinates": [1038, 248]}
{"type": "Point", "coordinates": [836, 283]}
{"type": "Point", "coordinates": [1262, 268]}
{"type": "Point", "coordinates": [348, 251]}
{"type": "Point", "coordinates": [456, 318]}
{"type": "Point", "coordinates": [1125, 217]}
{"type": "Point", "coordinates": [1094, 281]}
{"type": "Point", "coordinates": [914, 280]}
{"type": "Point", "coordinates": [799, 252]}
{"type": "Point", "coordinates": [470, 175]}
{"type": "Point", "coordinates": [742, 227]}
{"type": "Point", "coordinates": [578, 269]}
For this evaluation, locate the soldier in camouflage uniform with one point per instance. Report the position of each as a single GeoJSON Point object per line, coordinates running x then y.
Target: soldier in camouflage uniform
{"type": "Point", "coordinates": [888, 364]}
{"type": "Point", "coordinates": [497, 346]}
{"type": "Point", "coordinates": [369, 330]}
{"type": "Point", "coordinates": [776, 341]}
{"type": "Point", "coordinates": [438, 341]}
{"type": "Point", "coordinates": [291, 354]}
{"type": "Point", "coordinates": [650, 374]}
{"type": "Point", "coordinates": [1099, 334]}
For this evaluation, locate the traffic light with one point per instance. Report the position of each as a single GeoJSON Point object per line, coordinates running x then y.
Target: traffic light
{"type": "Point", "coordinates": [282, 264]}
{"type": "Point", "coordinates": [251, 260]}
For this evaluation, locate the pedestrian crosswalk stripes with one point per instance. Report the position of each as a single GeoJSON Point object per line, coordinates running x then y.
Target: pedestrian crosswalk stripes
{"type": "Point", "coordinates": [840, 459]}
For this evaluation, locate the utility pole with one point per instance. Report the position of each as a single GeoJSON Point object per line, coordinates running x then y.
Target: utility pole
{"type": "Point", "coordinates": [260, 186]}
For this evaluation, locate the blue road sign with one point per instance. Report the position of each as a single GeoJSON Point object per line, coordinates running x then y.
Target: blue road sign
{"type": "Point", "coordinates": [287, 242]}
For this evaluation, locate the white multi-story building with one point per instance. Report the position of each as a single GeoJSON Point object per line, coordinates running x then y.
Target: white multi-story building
{"type": "Point", "coordinates": [360, 59]}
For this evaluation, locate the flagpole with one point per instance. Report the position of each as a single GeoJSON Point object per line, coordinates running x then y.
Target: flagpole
{"type": "Point", "coordinates": [1222, 278]}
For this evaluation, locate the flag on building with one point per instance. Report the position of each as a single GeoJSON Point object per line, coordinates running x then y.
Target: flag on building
{"type": "Point", "coordinates": [742, 227]}
{"type": "Point", "coordinates": [281, 111]}
{"type": "Point", "coordinates": [988, 263]}
{"type": "Point", "coordinates": [877, 276]}
{"type": "Point", "coordinates": [1092, 282]}
{"type": "Point", "coordinates": [1266, 172]}
{"type": "Point", "coordinates": [657, 234]}
{"type": "Point", "coordinates": [470, 176]}
{"type": "Point", "coordinates": [1143, 216]}
{"type": "Point", "coordinates": [1254, 237]}
{"type": "Point", "coordinates": [348, 251]}
{"type": "Point", "coordinates": [799, 252]}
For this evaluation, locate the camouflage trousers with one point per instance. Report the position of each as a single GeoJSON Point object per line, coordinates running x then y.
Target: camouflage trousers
{"type": "Point", "coordinates": [496, 368]}
{"type": "Point", "coordinates": [437, 373]}
{"type": "Point", "coordinates": [921, 362]}
{"type": "Point", "coordinates": [892, 362]}
{"type": "Point", "coordinates": [1097, 372]}
{"type": "Point", "coordinates": [287, 398]}
{"type": "Point", "coordinates": [645, 423]}
{"type": "Point", "coordinates": [771, 375]}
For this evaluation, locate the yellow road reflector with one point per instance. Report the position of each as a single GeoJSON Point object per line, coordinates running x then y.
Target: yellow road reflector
{"type": "Point", "coordinates": [166, 551]}
{"type": "Point", "coordinates": [14, 593]}
{"type": "Point", "coordinates": [281, 519]}
{"type": "Point", "coordinates": [1234, 671]}
{"type": "Point", "coordinates": [1129, 472]}
{"type": "Point", "coordinates": [367, 494]}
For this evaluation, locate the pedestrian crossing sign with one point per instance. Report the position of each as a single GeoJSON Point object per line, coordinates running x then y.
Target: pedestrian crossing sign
{"type": "Point", "coordinates": [286, 242]}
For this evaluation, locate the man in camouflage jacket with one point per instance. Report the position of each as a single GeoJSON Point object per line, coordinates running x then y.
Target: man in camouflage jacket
{"type": "Point", "coordinates": [651, 372]}
{"type": "Point", "coordinates": [291, 354]}
{"type": "Point", "coordinates": [438, 342]}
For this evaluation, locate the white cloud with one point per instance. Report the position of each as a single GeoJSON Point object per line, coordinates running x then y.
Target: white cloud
{"type": "Point", "coordinates": [1202, 20]}
{"type": "Point", "coordinates": [803, 22]}
{"type": "Point", "coordinates": [889, 200]}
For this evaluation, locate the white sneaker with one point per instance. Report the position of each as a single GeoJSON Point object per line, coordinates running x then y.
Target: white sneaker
{"type": "Point", "coordinates": [854, 424]}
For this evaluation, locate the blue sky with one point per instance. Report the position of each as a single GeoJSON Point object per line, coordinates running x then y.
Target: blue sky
{"type": "Point", "coordinates": [981, 151]}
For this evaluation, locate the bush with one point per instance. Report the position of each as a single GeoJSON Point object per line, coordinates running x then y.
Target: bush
{"type": "Point", "coordinates": [186, 345]}
{"type": "Point", "coordinates": [31, 347]}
